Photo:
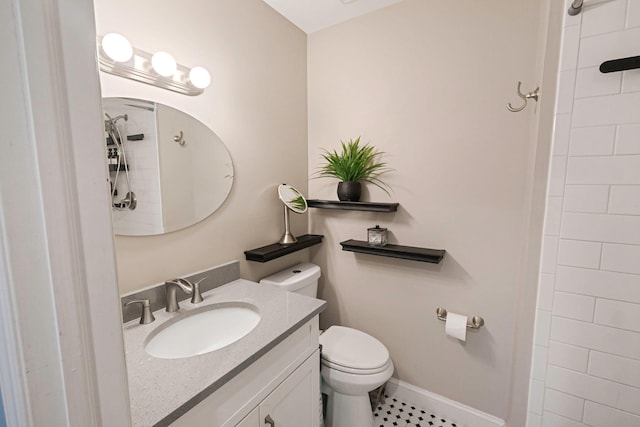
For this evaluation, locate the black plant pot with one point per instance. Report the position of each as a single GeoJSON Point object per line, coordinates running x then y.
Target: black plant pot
{"type": "Point", "coordinates": [349, 191]}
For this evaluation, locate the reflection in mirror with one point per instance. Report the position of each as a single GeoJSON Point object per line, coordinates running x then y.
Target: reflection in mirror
{"type": "Point", "coordinates": [293, 200]}
{"type": "Point", "coordinates": [176, 169]}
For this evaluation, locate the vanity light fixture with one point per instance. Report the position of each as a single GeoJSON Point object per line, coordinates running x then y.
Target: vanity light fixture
{"type": "Point", "coordinates": [118, 57]}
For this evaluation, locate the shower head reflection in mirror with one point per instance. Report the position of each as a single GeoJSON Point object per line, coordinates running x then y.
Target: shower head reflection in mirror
{"type": "Point", "coordinates": [175, 185]}
{"type": "Point", "coordinates": [118, 163]}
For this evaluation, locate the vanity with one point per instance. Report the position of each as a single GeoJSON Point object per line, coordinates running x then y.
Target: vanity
{"type": "Point", "coordinates": [270, 376]}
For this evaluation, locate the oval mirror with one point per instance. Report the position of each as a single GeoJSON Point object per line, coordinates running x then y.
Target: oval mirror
{"type": "Point", "coordinates": [292, 198]}
{"type": "Point", "coordinates": [167, 170]}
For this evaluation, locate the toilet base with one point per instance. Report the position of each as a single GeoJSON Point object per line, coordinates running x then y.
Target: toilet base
{"type": "Point", "coordinates": [345, 410]}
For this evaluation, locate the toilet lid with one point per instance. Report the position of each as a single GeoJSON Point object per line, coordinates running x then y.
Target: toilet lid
{"type": "Point", "coordinates": [351, 348]}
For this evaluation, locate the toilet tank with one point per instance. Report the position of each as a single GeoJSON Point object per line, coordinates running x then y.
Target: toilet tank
{"type": "Point", "coordinates": [301, 279]}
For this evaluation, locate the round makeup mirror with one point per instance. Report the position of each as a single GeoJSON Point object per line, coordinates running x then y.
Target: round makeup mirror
{"type": "Point", "coordinates": [293, 201]}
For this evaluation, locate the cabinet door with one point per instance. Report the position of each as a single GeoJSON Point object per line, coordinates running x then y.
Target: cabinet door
{"type": "Point", "coordinates": [251, 420]}
{"type": "Point", "coordinates": [295, 402]}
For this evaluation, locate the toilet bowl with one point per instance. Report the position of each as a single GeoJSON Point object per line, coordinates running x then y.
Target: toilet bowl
{"type": "Point", "coordinates": [353, 363]}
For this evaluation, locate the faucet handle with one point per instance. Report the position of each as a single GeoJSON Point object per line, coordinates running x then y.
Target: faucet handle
{"type": "Point", "coordinates": [196, 296]}
{"type": "Point", "coordinates": [146, 316]}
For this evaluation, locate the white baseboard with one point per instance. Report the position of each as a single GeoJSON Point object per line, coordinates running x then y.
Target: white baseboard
{"type": "Point", "coordinates": [462, 415]}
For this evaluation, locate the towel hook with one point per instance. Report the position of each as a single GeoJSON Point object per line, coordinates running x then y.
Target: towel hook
{"type": "Point", "coordinates": [180, 138]}
{"type": "Point", "coordinates": [525, 97]}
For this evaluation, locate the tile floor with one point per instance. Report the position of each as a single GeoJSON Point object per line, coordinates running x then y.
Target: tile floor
{"type": "Point", "coordinates": [394, 413]}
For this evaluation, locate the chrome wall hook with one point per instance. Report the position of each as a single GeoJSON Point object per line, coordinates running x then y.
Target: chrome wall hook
{"type": "Point", "coordinates": [525, 97]}
{"type": "Point", "coordinates": [180, 138]}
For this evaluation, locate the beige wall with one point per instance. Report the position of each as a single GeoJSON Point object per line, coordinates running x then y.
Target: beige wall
{"type": "Point", "coordinates": [427, 82]}
{"type": "Point", "coordinates": [256, 104]}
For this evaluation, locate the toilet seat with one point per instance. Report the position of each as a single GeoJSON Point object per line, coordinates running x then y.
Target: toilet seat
{"type": "Point", "coordinates": [352, 351]}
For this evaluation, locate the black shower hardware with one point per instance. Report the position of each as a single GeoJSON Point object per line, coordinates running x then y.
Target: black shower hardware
{"type": "Point", "coordinates": [118, 163]}
{"type": "Point", "coordinates": [576, 7]}
{"type": "Point", "coordinates": [525, 97]}
{"type": "Point", "coordinates": [622, 64]}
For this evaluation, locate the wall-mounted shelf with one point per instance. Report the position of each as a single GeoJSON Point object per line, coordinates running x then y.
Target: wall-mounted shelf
{"type": "Point", "coordinates": [353, 206]}
{"type": "Point", "coordinates": [276, 250]}
{"type": "Point", "coordinates": [433, 256]}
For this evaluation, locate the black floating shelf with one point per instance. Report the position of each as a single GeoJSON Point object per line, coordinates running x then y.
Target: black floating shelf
{"type": "Point", "coordinates": [433, 256]}
{"type": "Point", "coordinates": [621, 64]}
{"type": "Point", "coordinates": [353, 206]}
{"type": "Point", "coordinates": [276, 250]}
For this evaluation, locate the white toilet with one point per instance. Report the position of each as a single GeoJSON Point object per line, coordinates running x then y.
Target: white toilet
{"type": "Point", "coordinates": [353, 363]}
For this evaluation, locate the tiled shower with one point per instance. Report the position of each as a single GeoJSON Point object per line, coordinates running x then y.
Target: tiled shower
{"type": "Point", "coordinates": [586, 364]}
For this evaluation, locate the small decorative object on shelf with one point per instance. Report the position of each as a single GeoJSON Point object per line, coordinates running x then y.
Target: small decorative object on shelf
{"type": "Point", "coordinates": [377, 236]}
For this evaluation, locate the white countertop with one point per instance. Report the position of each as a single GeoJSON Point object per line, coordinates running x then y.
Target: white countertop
{"type": "Point", "coordinates": [161, 390]}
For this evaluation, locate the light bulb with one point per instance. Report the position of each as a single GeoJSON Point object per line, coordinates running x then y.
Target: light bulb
{"type": "Point", "coordinates": [117, 47]}
{"type": "Point", "coordinates": [199, 77]}
{"type": "Point", "coordinates": [163, 63]}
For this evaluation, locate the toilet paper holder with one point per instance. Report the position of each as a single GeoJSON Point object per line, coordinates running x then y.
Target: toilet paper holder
{"type": "Point", "coordinates": [474, 323]}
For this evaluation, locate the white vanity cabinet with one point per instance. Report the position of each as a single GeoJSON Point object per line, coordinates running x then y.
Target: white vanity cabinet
{"type": "Point", "coordinates": [282, 386]}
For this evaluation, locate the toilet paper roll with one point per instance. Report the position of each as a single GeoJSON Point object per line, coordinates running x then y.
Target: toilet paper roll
{"type": "Point", "coordinates": [456, 326]}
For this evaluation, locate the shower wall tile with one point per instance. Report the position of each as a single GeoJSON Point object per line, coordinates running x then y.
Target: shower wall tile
{"type": "Point", "coordinates": [592, 375]}
{"type": "Point", "coordinates": [603, 18]}
{"type": "Point", "coordinates": [573, 306]}
{"type": "Point", "coordinates": [586, 198]}
{"type": "Point", "coordinates": [578, 253]}
{"type": "Point", "coordinates": [568, 356]}
{"type": "Point", "coordinates": [597, 415]}
{"type": "Point", "coordinates": [563, 404]}
{"type": "Point", "coordinates": [614, 368]}
{"type": "Point", "coordinates": [539, 362]}
{"type": "Point", "coordinates": [621, 258]}
{"type": "Point", "coordinates": [592, 141]}
{"type": "Point", "coordinates": [618, 314]}
{"type": "Point", "coordinates": [628, 139]}
{"type": "Point", "coordinates": [591, 82]}
{"type": "Point", "coordinates": [625, 200]}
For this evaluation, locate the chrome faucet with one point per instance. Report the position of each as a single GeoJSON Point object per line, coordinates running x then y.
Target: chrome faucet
{"type": "Point", "coordinates": [171, 288]}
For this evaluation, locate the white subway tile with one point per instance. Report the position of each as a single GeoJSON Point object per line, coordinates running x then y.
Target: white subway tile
{"type": "Point", "coordinates": [592, 141]}
{"type": "Point", "coordinates": [603, 284]}
{"type": "Point", "coordinates": [549, 255]}
{"type": "Point", "coordinates": [542, 328]}
{"type": "Point", "coordinates": [604, 170]}
{"type": "Point", "coordinates": [618, 314]}
{"type": "Point", "coordinates": [591, 82]}
{"type": "Point", "coordinates": [573, 306]}
{"type": "Point", "coordinates": [545, 291]}
{"type": "Point", "coordinates": [570, 20]}
{"type": "Point", "coordinates": [595, 389]}
{"type": "Point", "coordinates": [564, 98]}
{"type": "Point", "coordinates": [596, 337]}
{"type": "Point", "coordinates": [614, 368]}
{"type": "Point", "coordinates": [604, 17]}
{"type": "Point", "coordinates": [628, 139]}
{"type": "Point", "coordinates": [630, 81]}
{"type": "Point", "coordinates": [561, 134]}
{"type": "Point", "coordinates": [553, 216]}
{"type": "Point", "coordinates": [607, 110]}
{"type": "Point", "coordinates": [586, 198]}
{"type": "Point", "coordinates": [549, 419]}
{"type": "Point", "coordinates": [563, 404]}
{"type": "Point", "coordinates": [633, 14]}
{"type": "Point", "coordinates": [596, 415]}
{"type": "Point", "coordinates": [536, 396]}
{"type": "Point", "coordinates": [534, 420]}
{"type": "Point", "coordinates": [597, 49]}
{"type": "Point", "coordinates": [557, 174]}
{"type": "Point", "coordinates": [570, 45]}
{"type": "Point", "coordinates": [601, 228]}
{"type": "Point", "coordinates": [625, 199]}
{"type": "Point", "coordinates": [577, 253]}
{"type": "Point", "coordinates": [539, 362]}
{"type": "Point", "coordinates": [568, 356]}
{"type": "Point", "coordinates": [621, 258]}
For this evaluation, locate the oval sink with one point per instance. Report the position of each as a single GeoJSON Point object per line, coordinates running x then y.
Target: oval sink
{"type": "Point", "coordinates": [204, 331]}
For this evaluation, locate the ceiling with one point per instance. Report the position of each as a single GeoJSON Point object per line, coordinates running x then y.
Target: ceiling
{"type": "Point", "coordinates": [314, 15]}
